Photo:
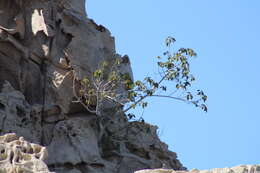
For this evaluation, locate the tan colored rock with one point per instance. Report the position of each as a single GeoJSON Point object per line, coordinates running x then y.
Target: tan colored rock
{"type": "Point", "coordinates": [39, 23]}
{"type": "Point", "coordinates": [18, 155]}
{"type": "Point", "coordinates": [237, 169]}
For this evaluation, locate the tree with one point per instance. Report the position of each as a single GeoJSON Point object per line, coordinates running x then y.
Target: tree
{"type": "Point", "coordinates": [174, 70]}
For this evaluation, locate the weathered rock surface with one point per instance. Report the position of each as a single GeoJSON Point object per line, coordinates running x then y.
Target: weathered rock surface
{"type": "Point", "coordinates": [18, 155]}
{"type": "Point", "coordinates": [73, 140]}
{"type": "Point", "coordinates": [59, 33]}
{"type": "Point", "coordinates": [237, 169]}
{"type": "Point", "coordinates": [44, 46]}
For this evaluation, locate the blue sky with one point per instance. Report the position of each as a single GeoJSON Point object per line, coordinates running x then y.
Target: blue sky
{"type": "Point", "coordinates": [226, 35]}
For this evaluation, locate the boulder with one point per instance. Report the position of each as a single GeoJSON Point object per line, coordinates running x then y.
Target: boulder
{"type": "Point", "coordinates": [18, 155]}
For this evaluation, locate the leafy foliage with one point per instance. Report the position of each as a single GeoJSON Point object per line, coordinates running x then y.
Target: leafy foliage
{"type": "Point", "coordinates": [174, 70]}
{"type": "Point", "coordinates": [103, 85]}
{"type": "Point", "coordinates": [175, 81]}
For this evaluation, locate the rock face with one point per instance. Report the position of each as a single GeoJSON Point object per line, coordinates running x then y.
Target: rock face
{"type": "Point", "coordinates": [237, 169]}
{"type": "Point", "coordinates": [18, 155]}
{"type": "Point", "coordinates": [74, 142]}
{"type": "Point", "coordinates": [44, 47]}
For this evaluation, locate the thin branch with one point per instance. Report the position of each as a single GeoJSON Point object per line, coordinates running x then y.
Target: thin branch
{"type": "Point", "coordinates": [145, 96]}
{"type": "Point", "coordinates": [114, 99]}
{"type": "Point", "coordinates": [166, 96]}
{"type": "Point", "coordinates": [173, 92]}
{"type": "Point", "coordinates": [77, 97]}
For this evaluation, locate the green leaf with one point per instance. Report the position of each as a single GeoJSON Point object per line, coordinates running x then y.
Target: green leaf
{"type": "Point", "coordinates": [164, 88]}
{"type": "Point", "coordinates": [189, 96]}
{"type": "Point", "coordinates": [144, 104]}
{"type": "Point", "coordinates": [204, 98]}
{"type": "Point", "coordinates": [169, 40]}
{"type": "Point", "coordinates": [204, 107]}
{"type": "Point", "coordinates": [105, 64]}
{"type": "Point", "coordinates": [98, 73]}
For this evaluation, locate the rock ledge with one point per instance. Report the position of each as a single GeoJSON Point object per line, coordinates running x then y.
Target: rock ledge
{"type": "Point", "coordinates": [20, 156]}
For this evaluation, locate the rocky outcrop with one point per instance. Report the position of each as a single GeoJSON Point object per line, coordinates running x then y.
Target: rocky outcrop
{"type": "Point", "coordinates": [59, 34]}
{"type": "Point", "coordinates": [74, 141]}
{"type": "Point", "coordinates": [46, 49]}
{"type": "Point", "coordinates": [45, 46]}
{"type": "Point", "coordinates": [18, 155]}
{"type": "Point", "coordinates": [237, 169]}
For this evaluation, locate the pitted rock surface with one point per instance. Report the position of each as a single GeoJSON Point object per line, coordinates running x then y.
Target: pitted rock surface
{"type": "Point", "coordinates": [20, 156]}
{"type": "Point", "coordinates": [73, 139]}
{"type": "Point", "coordinates": [44, 47]}
{"type": "Point", "coordinates": [237, 169]}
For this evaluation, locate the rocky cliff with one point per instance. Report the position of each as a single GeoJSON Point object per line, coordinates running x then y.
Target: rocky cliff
{"type": "Point", "coordinates": [46, 48]}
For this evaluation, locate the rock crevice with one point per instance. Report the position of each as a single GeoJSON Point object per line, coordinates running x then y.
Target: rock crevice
{"type": "Point", "coordinates": [51, 45]}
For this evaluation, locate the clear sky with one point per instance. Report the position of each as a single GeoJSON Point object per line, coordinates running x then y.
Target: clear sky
{"type": "Point", "coordinates": [226, 36]}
